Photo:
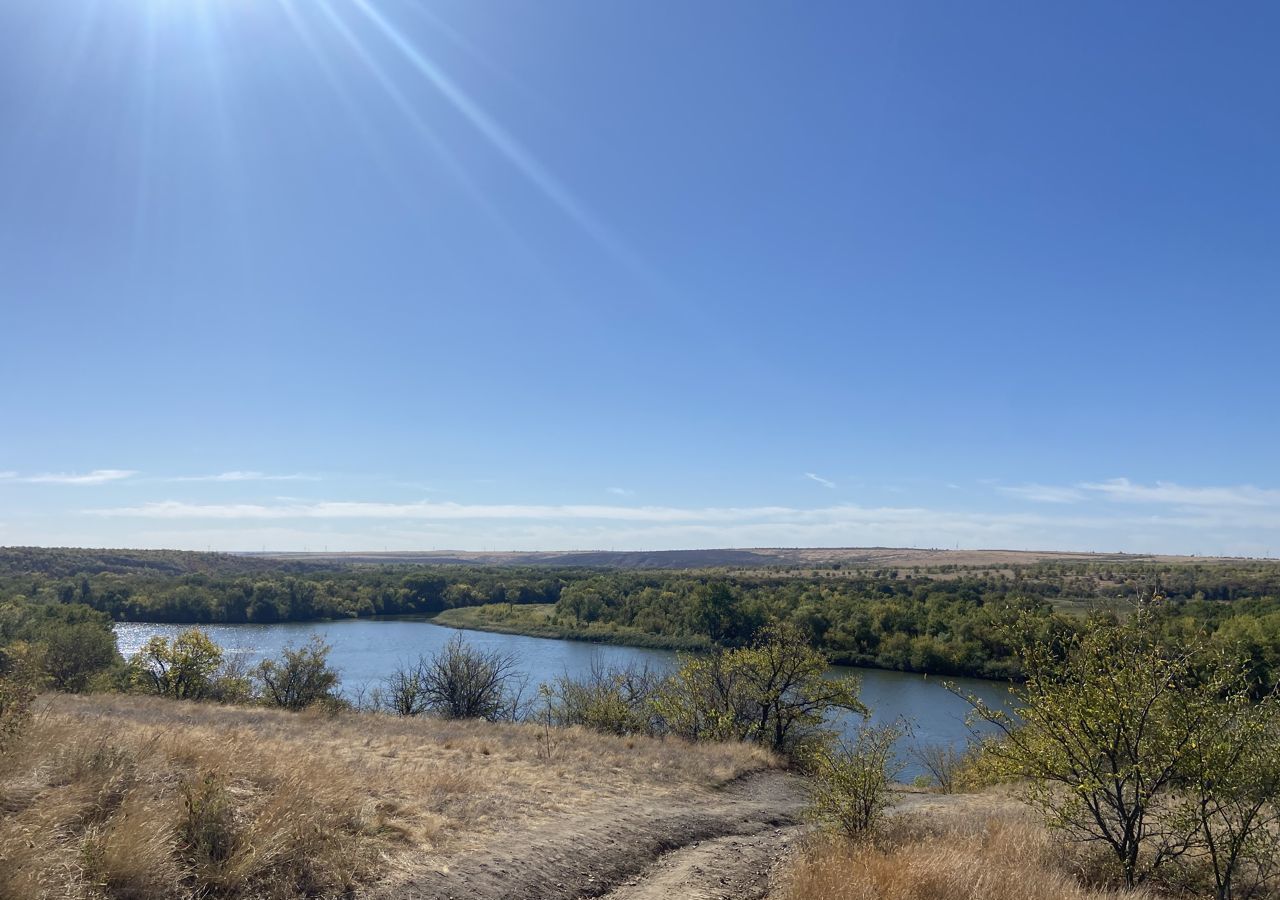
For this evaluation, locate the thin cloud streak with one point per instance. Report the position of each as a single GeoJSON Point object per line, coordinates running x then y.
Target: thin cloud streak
{"type": "Point", "coordinates": [1167, 492]}
{"type": "Point", "coordinates": [246, 476]}
{"type": "Point", "coordinates": [1042, 493]}
{"type": "Point", "coordinates": [830, 485]}
{"type": "Point", "coordinates": [837, 515]}
{"type": "Point", "coordinates": [172, 509]}
{"type": "Point", "coordinates": [97, 476]}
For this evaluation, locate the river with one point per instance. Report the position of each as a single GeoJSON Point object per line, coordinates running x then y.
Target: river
{"type": "Point", "coordinates": [366, 650]}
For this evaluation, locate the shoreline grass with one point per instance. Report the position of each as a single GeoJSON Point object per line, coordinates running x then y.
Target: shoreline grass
{"type": "Point", "coordinates": [534, 620]}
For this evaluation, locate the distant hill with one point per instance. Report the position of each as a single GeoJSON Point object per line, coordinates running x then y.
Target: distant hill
{"type": "Point", "coordinates": [62, 562]}
{"type": "Point", "coordinates": [818, 557]}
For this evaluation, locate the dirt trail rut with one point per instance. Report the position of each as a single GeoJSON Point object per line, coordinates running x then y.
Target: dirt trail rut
{"type": "Point", "coordinates": [719, 845]}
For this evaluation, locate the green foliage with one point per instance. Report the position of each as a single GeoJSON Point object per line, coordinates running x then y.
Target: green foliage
{"type": "Point", "coordinates": [76, 652]}
{"type": "Point", "coordinates": [614, 700]}
{"type": "Point", "coordinates": [299, 678]}
{"type": "Point", "coordinates": [850, 781]}
{"type": "Point", "coordinates": [1147, 747]}
{"type": "Point", "coordinates": [775, 693]}
{"type": "Point", "coordinates": [949, 620]}
{"type": "Point", "coordinates": [74, 644]}
{"type": "Point", "coordinates": [182, 669]}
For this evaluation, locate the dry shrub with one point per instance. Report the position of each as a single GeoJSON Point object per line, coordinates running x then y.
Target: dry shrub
{"type": "Point", "coordinates": [999, 855]}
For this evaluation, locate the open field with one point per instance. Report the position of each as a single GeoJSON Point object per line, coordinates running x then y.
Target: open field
{"type": "Point", "coordinates": [805, 558]}
{"type": "Point", "coordinates": [117, 796]}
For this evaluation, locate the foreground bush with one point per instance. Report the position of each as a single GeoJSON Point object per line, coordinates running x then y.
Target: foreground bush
{"type": "Point", "coordinates": [300, 678]}
{"type": "Point", "coordinates": [774, 693]}
{"type": "Point", "coordinates": [461, 681]}
{"type": "Point", "coordinates": [850, 781]}
{"type": "Point", "coordinates": [610, 699]}
{"type": "Point", "coordinates": [1152, 749]}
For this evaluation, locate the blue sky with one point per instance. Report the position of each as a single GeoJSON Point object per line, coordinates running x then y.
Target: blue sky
{"type": "Point", "coordinates": [416, 273]}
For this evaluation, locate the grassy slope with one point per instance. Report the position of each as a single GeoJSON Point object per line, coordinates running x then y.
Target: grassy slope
{"type": "Point", "coordinates": [99, 794]}
{"type": "Point", "coordinates": [981, 846]}
{"type": "Point", "coordinates": [534, 619]}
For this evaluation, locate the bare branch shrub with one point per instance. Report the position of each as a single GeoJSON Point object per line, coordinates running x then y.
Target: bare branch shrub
{"type": "Point", "coordinates": [465, 682]}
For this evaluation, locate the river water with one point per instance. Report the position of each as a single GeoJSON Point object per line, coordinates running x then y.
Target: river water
{"type": "Point", "coordinates": [367, 650]}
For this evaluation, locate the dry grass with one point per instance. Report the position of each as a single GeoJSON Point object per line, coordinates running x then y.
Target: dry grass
{"type": "Point", "coordinates": [972, 849]}
{"type": "Point", "coordinates": [130, 797]}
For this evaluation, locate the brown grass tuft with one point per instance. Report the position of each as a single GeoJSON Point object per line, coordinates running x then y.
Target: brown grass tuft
{"type": "Point", "coordinates": [970, 853]}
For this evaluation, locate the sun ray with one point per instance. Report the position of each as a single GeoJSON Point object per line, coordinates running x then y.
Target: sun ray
{"type": "Point", "coordinates": [424, 130]}
{"type": "Point", "coordinates": [498, 137]}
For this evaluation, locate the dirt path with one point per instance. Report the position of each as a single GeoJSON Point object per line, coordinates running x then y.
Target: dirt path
{"type": "Point", "coordinates": [714, 844]}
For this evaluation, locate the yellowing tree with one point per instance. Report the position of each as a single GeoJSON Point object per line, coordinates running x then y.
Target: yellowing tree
{"type": "Point", "coordinates": [182, 668]}
{"type": "Point", "coordinates": [775, 693]}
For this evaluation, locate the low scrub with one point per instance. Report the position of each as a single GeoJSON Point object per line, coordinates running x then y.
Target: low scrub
{"type": "Point", "coordinates": [976, 856]}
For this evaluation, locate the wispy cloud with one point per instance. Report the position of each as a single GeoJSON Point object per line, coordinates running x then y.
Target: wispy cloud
{"type": "Point", "coordinates": [621, 492]}
{"type": "Point", "coordinates": [97, 476]}
{"type": "Point", "coordinates": [1166, 492]}
{"type": "Point", "coordinates": [172, 509]}
{"type": "Point", "coordinates": [830, 485]}
{"type": "Point", "coordinates": [1161, 493]}
{"type": "Point", "coordinates": [1042, 493]}
{"type": "Point", "coordinates": [419, 525]}
{"type": "Point", "coordinates": [247, 476]}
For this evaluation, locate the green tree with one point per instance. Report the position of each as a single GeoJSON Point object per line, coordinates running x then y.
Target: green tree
{"type": "Point", "coordinates": [1116, 728]}
{"type": "Point", "coordinates": [182, 669]}
{"type": "Point", "coordinates": [76, 652]}
{"type": "Point", "coordinates": [775, 693]}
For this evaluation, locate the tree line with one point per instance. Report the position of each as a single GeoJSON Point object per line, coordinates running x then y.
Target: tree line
{"type": "Point", "coordinates": [951, 622]}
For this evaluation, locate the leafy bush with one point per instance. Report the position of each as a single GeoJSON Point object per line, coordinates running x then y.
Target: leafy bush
{"type": "Point", "coordinates": [616, 700]}
{"type": "Point", "coordinates": [1150, 748]}
{"type": "Point", "coordinates": [851, 781]}
{"type": "Point", "coordinates": [300, 678]}
{"type": "Point", "coordinates": [775, 693]}
{"type": "Point", "coordinates": [76, 652]}
{"type": "Point", "coordinates": [181, 669]}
